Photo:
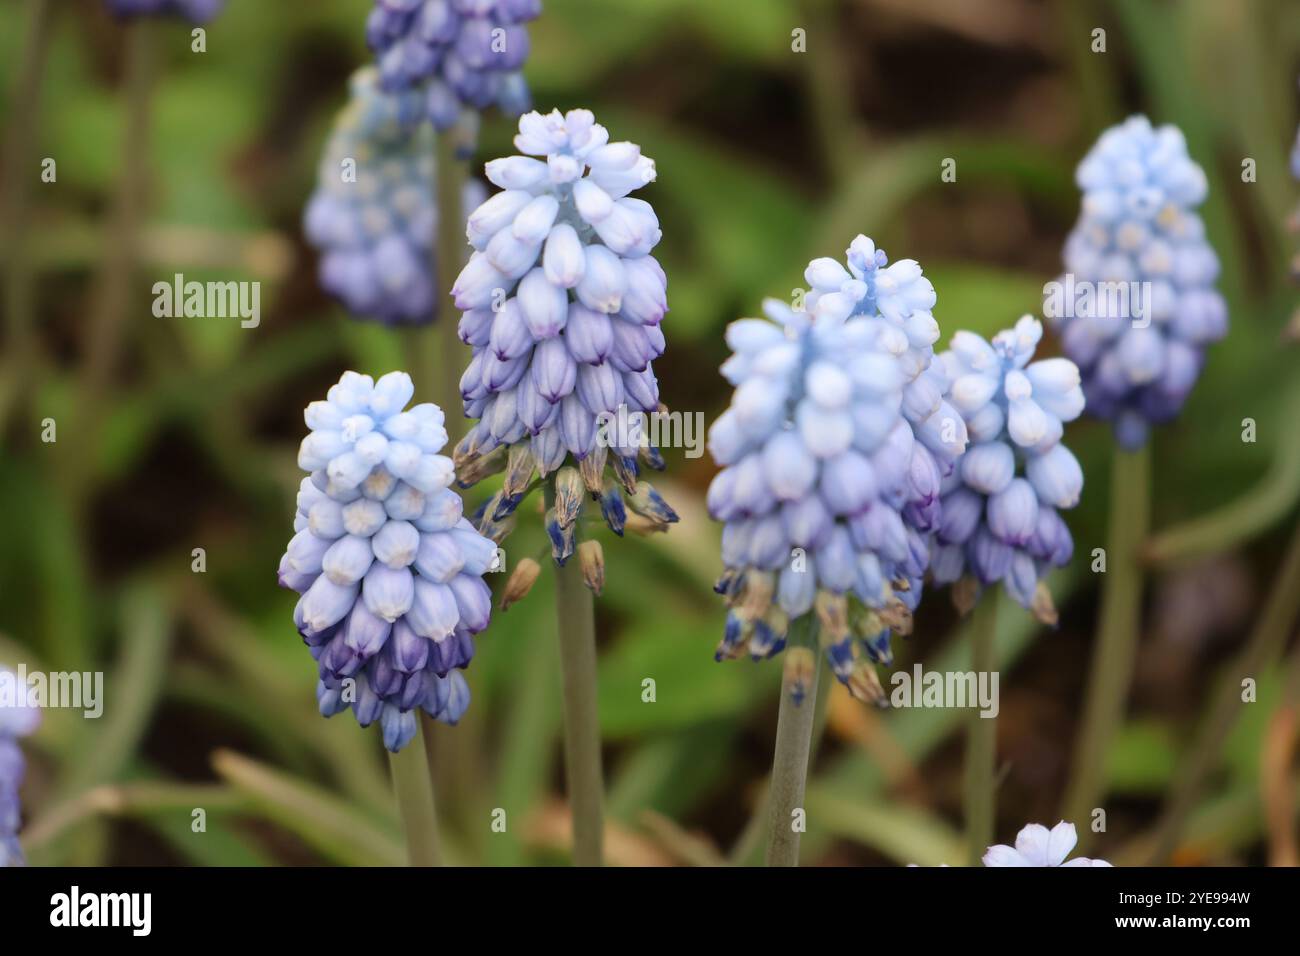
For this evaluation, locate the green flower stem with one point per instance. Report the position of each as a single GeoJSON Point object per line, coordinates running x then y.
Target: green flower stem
{"type": "Point", "coordinates": [982, 736]}
{"type": "Point", "coordinates": [413, 785]}
{"type": "Point", "coordinates": [576, 626]}
{"type": "Point", "coordinates": [14, 203]}
{"type": "Point", "coordinates": [114, 292]}
{"type": "Point", "coordinates": [1115, 645]}
{"type": "Point", "coordinates": [1262, 649]}
{"type": "Point", "coordinates": [794, 732]}
{"type": "Point", "coordinates": [749, 848]}
{"type": "Point", "coordinates": [450, 249]}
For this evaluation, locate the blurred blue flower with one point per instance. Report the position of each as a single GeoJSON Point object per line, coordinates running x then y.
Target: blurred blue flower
{"type": "Point", "coordinates": [832, 452]}
{"type": "Point", "coordinates": [1001, 519]}
{"type": "Point", "coordinates": [1038, 846]}
{"type": "Point", "coordinates": [199, 11]}
{"type": "Point", "coordinates": [389, 571]}
{"type": "Point", "coordinates": [463, 55]}
{"type": "Point", "coordinates": [373, 215]}
{"type": "Point", "coordinates": [18, 718]}
{"type": "Point", "coordinates": [1140, 306]}
{"type": "Point", "coordinates": [562, 304]}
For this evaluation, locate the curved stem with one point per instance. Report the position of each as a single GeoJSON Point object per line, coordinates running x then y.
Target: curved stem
{"type": "Point", "coordinates": [794, 732]}
{"type": "Point", "coordinates": [576, 625]}
{"type": "Point", "coordinates": [982, 736]}
{"type": "Point", "coordinates": [1263, 647]}
{"type": "Point", "coordinates": [1243, 519]}
{"type": "Point", "coordinates": [114, 293]}
{"type": "Point", "coordinates": [413, 785]}
{"type": "Point", "coordinates": [1118, 626]}
{"type": "Point", "coordinates": [19, 147]}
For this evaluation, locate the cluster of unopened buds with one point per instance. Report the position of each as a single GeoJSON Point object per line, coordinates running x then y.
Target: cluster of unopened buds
{"type": "Point", "coordinates": [562, 303]}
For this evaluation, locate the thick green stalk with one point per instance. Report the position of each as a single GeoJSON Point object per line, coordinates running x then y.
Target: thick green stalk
{"type": "Point", "coordinates": [982, 736]}
{"type": "Point", "coordinates": [1263, 648]}
{"type": "Point", "coordinates": [413, 785]}
{"type": "Point", "coordinates": [450, 254]}
{"type": "Point", "coordinates": [575, 617]}
{"type": "Point", "coordinates": [1115, 645]}
{"type": "Point", "coordinates": [794, 732]}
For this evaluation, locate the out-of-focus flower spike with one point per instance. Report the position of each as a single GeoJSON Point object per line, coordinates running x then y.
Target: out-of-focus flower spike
{"type": "Point", "coordinates": [461, 56]}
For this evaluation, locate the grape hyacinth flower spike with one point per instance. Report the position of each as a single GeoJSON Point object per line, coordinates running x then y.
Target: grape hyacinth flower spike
{"type": "Point", "coordinates": [832, 453]}
{"type": "Point", "coordinates": [197, 11]}
{"type": "Point", "coordinates": [1140, 352]}
{"type": "Point", "coordinates": [1139, 233]}
{"type": "Point", "coordinates": [373, 216]}
{"type": "Point", "coordinates": [390, 573]}
{"type": "Point", "coordinates": [562, 304]}
{"type": "Point", "coordinates": [463, 56]}
{"type": "Point", "coordinates": [17, 719]}
{"type": "Point", "coordinates": [1001, 507]}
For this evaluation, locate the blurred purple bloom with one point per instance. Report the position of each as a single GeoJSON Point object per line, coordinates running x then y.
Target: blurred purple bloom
{"type": "Point", "coordinates": [18, 718]}
{"type": "Point", "coordinates": [1140, 254]}
{"type": "Point", "coordinates": [372, 216]}
{"type": "Point", "coordinates": [463, 55]}
{"type": "Point", "coordinates": [199, 11]}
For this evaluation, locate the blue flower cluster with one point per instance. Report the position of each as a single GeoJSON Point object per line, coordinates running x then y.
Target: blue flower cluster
{"type": "Point", "coordinates": [562, 303]}
{"type": "Point", "coordinates": [16, 721]}
{"type": "Point", "coordinates": [833, 451]}
{"type": "Point", "coordinates": [1001, 519]}
{"type": "Point", "coordinates": [198, 11]}
{"type": "Point", "coordinates": [373, 216]}
{"type": "Point", "coordinates": [1144, 307]}
{"type": "Point", "coordinates": [463, 55]}
{"type": "Point", "coordinates": [389, 571]}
